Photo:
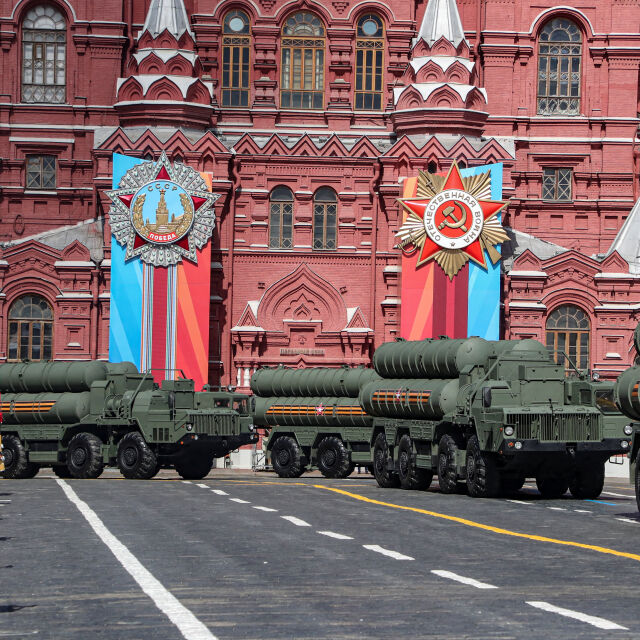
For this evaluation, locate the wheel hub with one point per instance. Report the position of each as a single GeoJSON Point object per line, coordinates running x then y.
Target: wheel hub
{"type": "Point", "coordinates": [78, 456]}
{"type": "Point", "coordinates": [8, 457]}
{"type": "Point", "coordinates": [404, 464]}
{"type": "Point", "coordinates": [130, 456]}
{"type": "Point", "coordinates": [471, 468]}
{"type": "Point", "coordinates": [329, 458]}
{"type": "Point", "coordinates": [283, 457]}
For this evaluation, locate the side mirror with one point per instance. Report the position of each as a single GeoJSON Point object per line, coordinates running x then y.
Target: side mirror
{"type": "Point", "coordinates": [486, 397]}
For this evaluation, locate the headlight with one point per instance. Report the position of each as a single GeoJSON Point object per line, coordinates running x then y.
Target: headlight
{"type": "Point", "coordinates": [518, 445]}
{"type": "Point", "coordinates": [624, 444]}
{"type": "Point", "coordinates": [508, 431]}
{"type": "Point", "coordinates": [189, 426]}
{"type": "Point", "coordinates": [628, 430]}
{"type": "Point", "coordinates": [595, 376]}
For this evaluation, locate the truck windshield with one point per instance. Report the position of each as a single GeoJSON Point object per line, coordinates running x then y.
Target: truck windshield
{"type": "Point", "coordinates": [241, 405]}
{"type": "Point", "coordinates": [605, 402]}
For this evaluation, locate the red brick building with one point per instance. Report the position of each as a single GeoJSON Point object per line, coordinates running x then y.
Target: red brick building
{"type": "Point", "coordinates": [309, 115]}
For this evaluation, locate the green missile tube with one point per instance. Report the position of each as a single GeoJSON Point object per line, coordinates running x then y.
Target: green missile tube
{"type": "Point", "coordinates": [312, 382]}
{"type": "Point", "coordinates": [410, 398]}
{"type": "Point", "coordinates": [310, 411]}
{"type": "Point", "coordinates": [44, 408]}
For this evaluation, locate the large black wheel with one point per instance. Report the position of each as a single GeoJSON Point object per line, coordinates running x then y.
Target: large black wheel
{"type": "Point", "coordinates": [16, 463]}
{"type": "Point", "coordinates": [385, 478]}
{"type": "Point", "coordinates": [410, 475]}
{"type": "Point", "coordinates": [135, 458]}
{"type": "Point", "coordinates": [333, 458]}
{"type": "Point", "coordinates": [587, 481]}
{"type": "Point", "coordinates": [483, 479]}
{"type": "Point", "coordinates": [287, 458]}
{"type": "Point", "coordinates": [552, 487]}
{"type": "Point", "coordinates": [638, 480]}
{"type": "Point", "coordinates": [62, 471]}
{"type": "Point", "coordinates": [194, 467]}
{"type": "Point", "coordinates": [84, 456]}
{"type": "Point", "coordinates": [447, 469]}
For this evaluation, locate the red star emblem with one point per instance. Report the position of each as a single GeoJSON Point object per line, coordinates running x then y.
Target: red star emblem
{"type": "Point", "coordinates": [453, 219]}
{"type": "Point", "coordinates": [319, 410]}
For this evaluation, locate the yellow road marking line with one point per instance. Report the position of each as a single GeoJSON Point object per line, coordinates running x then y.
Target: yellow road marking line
{"type": "Point", "coordinates": [485, 527]}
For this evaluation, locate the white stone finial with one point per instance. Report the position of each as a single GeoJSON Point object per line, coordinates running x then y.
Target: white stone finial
{"type": "Point", "coordinates": [167, 14]}
{"type": "Point", "coordinates": [441, 19]}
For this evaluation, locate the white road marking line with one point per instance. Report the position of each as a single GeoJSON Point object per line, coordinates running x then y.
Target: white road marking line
{"type": "Point", "coordinates": [187, 482]}
{"type": "Point", "coordinates": [296, 521]}
{"type": "Point", "coordinates": [189, 626]}
{"type": "Point", "coordinates": [616, 495]}
{"type": "Point", "coordinates": [333, 534]}
{"type": "Point", "coordinates": [521, 502]}
{"type": "Point", "coordinates": [601, 623]}
{"type": "Point", "coordinates": [557, 508]}
{"type": "Point", "coordinates": [628, 520]}
{"type": "Point", "coordinates": [470, 581]}
{"type": "Point", "coordinates": [239, 500]}
{"type": "Point", "coordinates": [5, 500]}
{"type": "Point", "coordinates": [387, 552]}
{"type": "Point", "coordinates": [203, 486]}
{"type": "Point", "coordinates": [265, 509]}
{"type": "Point", "coordinates": [582, 511]}
{"type": "Point", "coordinates": [219, 492]}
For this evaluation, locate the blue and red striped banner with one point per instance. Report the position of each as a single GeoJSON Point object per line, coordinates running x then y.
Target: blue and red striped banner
{"type": "Point", "coordinates": [159, 315]}
{"type": "Point", "coordinates": [469, 305]}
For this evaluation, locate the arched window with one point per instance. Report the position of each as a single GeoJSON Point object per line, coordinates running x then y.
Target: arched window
{"type": "Point", "coordinates": [568, 333]}
{"type": "Point", "coordinates": [30, 329]}
{"type": "Point", "coordinates": [302, 73]}
{"type": "Point", "coordinates": [369, 63]}
{"type": "Point", "coordinates": [559, 62]}
{"type": "Point", "coordinates": [236, 45]}
{"type": "Point", "coordinates": [325, 208]}
{"type": "Point", "coordinates": [281, 218]}
{"type": "Point", "coordinates": [44, 38]}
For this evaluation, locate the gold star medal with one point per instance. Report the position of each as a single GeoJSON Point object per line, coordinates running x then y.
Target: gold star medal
{"type": "Point", "coordinates": [452, 220]}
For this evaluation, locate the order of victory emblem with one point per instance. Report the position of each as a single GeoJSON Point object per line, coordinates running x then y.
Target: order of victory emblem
{"type": "Point", "coordinates": [452, 220]}
{"type": "Point", "coordinates": [162, 212]}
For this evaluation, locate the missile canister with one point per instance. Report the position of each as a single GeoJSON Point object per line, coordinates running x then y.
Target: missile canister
{"type": "Point", "coordinates": [626, 392]}
{"type": "Point", "coordinates": [57, 377]}
{"type": "Point", "coordinates": [310, 411]}
{"type": "Point", "coordinates": [443, 358]}
{"type": "Point", "coordinates": [44, 408]}
{"type": "Point", "coordinates": [314, 382]}
{"type": "Point", "coordinates": [409, 398]}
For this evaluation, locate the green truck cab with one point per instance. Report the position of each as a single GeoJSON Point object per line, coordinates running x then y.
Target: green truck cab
{"type": "Point", "coordinates": [82, 416]}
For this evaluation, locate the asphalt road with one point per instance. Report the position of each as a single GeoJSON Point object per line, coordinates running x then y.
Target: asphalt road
{"type": "Point", "coordinates": [249, 555]}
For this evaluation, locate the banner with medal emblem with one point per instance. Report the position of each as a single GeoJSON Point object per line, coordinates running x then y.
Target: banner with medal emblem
{"type": "Point", "coordinates": [450, 238]}
{"type": "Point", "coordinates": [161, 219]}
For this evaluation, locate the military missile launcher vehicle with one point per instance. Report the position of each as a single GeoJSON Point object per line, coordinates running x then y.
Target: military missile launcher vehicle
{"type": "Point", "coordinates": [315, 418]}
{"type": "Point", "coordinates": [627, 397]}
{"type": "Point", "coordinates": [78, 417]}
{"type": "Point", "coordinates": [481, 415]}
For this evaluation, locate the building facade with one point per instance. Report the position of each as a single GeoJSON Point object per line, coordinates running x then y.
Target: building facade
{"type": "Point", "coordinates": [309, 115]}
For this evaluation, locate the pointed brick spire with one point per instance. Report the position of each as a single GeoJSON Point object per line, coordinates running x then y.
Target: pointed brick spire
{"type": "Point", "coordinates": [167, 14]}
{"type": "Point", "coordinates": [438, 91]}
{"type": "Point", "coordinates": [441, 20]}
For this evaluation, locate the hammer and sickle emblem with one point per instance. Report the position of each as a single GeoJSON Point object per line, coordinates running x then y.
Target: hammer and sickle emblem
{"type": "Point", "coordinates": [449, 212]}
